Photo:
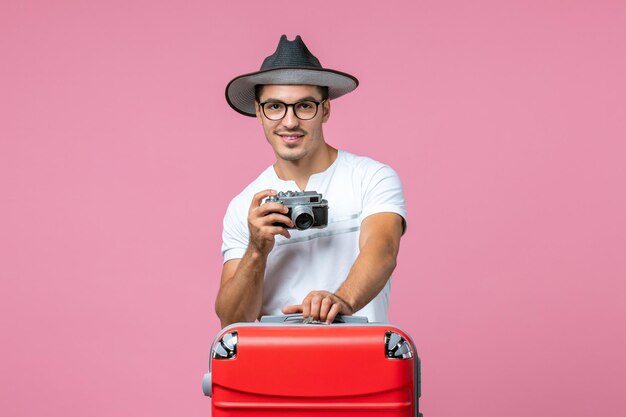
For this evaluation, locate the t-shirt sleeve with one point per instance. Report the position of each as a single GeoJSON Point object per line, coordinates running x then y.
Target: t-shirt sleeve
{"type": "Point", "coordinates": [383, 193]}
{"type": "Point", "coordinates": [235, 235]}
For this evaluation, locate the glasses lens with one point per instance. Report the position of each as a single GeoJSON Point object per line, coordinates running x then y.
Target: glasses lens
{"type": "Point", "coordinates": [305, 110]}
{"type": "Point", "coordinates": [274, 111]}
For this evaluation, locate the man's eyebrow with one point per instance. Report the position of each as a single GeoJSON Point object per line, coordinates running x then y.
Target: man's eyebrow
{"type": "Point", "coordinates": [307, 98]}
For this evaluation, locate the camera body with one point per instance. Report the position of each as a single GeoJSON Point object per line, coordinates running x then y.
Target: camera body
{"type": "Point", "coordinates": [307, 209]}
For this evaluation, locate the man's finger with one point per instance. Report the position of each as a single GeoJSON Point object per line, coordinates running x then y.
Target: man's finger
{"type": "Point", "coordinates": [276, 218]}
{"type": "Point", "coordinates": [283, 232]}
{"type": "Point", "coordinates": [292, 309]}
{"type": "Point", "coordinates": [267, 208]}
{"type": "Point", "coordinates": [260, 196]}
{"type": "Point", "coordinates": [306, 307]}
{"type": "Point", "coordinates": [327, 303]}
{"type": "Point", "coordinates": [316, 303]}
{"type": "Point", "coordinates": [334, 310]}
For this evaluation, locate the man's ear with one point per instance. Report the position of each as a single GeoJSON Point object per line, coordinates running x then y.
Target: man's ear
{"type": "Point", "coordinates": [257, 110]}
{"type": "Point", "coordinates": [325, 110]}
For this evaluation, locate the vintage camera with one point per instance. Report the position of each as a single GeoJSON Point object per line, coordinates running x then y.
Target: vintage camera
{"type": "Point", "coordinates": [306, 208]}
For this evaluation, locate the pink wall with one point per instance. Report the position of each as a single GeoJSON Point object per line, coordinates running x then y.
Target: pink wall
{"type": "Point", "coordinates": [506, 121]}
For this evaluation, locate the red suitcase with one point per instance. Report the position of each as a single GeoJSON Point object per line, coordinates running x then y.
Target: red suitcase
{"type": "Point", "coordinates": [284, 367]}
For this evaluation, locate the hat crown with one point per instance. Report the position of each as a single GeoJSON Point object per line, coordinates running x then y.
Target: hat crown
{"type": "Point", "coordinates": [291, 54]}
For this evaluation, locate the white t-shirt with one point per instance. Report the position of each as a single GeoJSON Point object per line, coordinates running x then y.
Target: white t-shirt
{"type": "Point", "coordinates": [319, 259]}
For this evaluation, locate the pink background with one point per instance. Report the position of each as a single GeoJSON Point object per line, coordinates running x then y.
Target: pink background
{"type": "Point", "coordinates": [119, 154]}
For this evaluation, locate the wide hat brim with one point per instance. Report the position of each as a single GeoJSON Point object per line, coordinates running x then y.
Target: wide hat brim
{"type": "Point", "coordinates": [240, 91]}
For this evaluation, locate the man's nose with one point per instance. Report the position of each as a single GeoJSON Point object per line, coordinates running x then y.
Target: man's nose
{"type": "Point", "coordinates": [290, 120]}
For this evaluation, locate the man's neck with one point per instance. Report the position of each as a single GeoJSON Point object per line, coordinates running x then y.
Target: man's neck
{"type": "Point", "coordinates": [301, 170]}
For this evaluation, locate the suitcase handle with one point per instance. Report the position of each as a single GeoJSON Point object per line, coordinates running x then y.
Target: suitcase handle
{"type": "Point", "coordinates": [297, 318]}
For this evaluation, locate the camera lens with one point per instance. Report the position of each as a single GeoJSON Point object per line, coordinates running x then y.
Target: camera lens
{"type": "Point", "coordinates": [304, 221]}
{"type": "Point", "coordinates": [302, 216]}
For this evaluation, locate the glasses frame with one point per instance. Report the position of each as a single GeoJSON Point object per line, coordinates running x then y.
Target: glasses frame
{"type": "Point", "coordinates": [292, 105]}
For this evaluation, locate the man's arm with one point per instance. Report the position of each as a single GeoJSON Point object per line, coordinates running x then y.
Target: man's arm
{"type": "Point", "coordinates": [240, 295]}
{"type": "Point", "coordinates": [241, 289]}
{"type": "Point", "coordinates": [379, 243]}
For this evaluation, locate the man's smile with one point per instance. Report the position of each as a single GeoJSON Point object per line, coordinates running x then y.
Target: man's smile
{"type": "Point", "coordinates": [290, 137]}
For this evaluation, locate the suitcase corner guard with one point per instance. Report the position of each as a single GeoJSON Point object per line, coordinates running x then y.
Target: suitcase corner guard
{"type": "Point", "coordinates": [206, 384]}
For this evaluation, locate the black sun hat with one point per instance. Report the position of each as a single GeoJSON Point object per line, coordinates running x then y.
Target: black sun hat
{"type": "Point", "coordinates": [292, 63]}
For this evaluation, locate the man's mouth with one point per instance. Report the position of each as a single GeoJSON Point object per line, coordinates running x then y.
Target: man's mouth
{"type": "Point", "coordinates": [290, 136]}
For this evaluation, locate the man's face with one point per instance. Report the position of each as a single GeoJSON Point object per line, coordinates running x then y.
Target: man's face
{"type": "Point", "coordinates": [291, 138]}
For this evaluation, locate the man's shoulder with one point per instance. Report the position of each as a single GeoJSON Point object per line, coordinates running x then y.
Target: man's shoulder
{"type": "Point", "coordinates": [361, 164]}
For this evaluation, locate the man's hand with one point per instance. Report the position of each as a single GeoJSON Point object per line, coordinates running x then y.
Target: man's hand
{"type": "Point", "coordinates": [261, 219]}
{"type": "Point", "coordinates": [321, 305]}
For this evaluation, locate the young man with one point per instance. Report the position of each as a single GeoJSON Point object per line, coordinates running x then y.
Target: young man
{"type": "Point", "coordinates": [344, 268]}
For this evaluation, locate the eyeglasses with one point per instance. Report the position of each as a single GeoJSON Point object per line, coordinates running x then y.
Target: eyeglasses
{"type": "Point", "coordinates": [304, 110]}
